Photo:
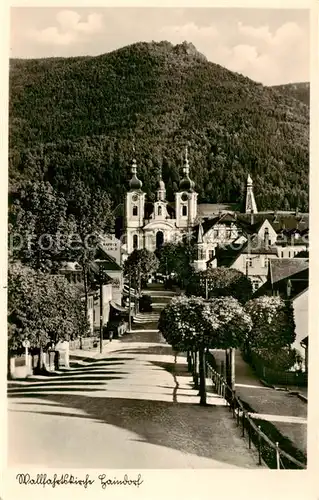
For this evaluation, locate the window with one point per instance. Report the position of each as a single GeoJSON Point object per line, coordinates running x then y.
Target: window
{"type": "Point", "coordinates": [211, 254]}
{"type": "Point", "coordinates": [249, 262]}
{"type": "Point", "coordinates": [201, 254]}
{"type": "Point", "coordinates": [289, 254]}
{"type": "Point", "coordinates": [266, 262]}
{"type": "Point", "coordinates": [184, 211]}
{"type": "Point", "coordinates": [266, 237]}
{"type": "Point", "coordinates": [216, 233]}
{"type": "Point", "coordinates": [135, 211]}
{"type": "Point", "coordinates": [255, 284]}
{"type": "Point", "coordinates": [282, 254]}
{"type": "Point", "coordinates": [159, 211]}
{"type": "Point", "coordinates": [228, 233]}
{"type": "Point", "coordinates": [135, 241]}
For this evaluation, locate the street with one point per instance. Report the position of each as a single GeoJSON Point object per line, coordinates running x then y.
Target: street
{"type": "Point", "coordinates": [131, 407]}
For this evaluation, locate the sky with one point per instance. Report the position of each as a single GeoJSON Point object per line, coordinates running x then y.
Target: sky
{"type": "Point", "coordinates": [270, 46]}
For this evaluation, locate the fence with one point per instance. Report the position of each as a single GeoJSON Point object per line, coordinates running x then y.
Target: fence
{"type": "Point", "coordinates": [276, 377]}
{"type": "Point", "coordinates": [83, 343]}
{"type": "Point", "coordinates": [269, 452]}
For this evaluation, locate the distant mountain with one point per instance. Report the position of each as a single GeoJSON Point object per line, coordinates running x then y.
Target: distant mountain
{"type": "Point", "coordinates": [79, 118]}
{"type": "Point", "coordinates": [300, 91]}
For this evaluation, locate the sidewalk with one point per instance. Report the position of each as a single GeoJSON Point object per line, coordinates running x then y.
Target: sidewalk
{"type": "Point", "coordinates": [275, 404]}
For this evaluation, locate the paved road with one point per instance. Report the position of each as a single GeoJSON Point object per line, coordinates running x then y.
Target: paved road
{"type": "Point", "coordinates": [132, 407]}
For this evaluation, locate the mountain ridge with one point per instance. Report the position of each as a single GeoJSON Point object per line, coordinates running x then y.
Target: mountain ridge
{"type": "Point", "coordinates": [66, 112]}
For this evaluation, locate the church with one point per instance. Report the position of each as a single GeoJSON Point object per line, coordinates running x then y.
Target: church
{"type": "Point", "coordinates": [218, 230]}
{"type": "Point", "coordinates": [150, 225]}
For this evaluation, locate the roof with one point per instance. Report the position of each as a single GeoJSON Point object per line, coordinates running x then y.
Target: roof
{"type": "Point", "coordinates": [254, 246]}
{"type": "Point", "coordinates": [281, 221]}
{"type": "Point", "coordinates": [70, 266]}
{"type": "Point", "coordinates": [211, 209]}
{"type": "Point", "coordinates": [119, 211]}
{"type": "Point", "coordinates": [286, 268]}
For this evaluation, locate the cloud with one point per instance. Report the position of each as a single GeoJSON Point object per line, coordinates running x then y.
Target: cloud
{"type": "Point", "coordinates": [189, 31]}
{"type": "Point", "coordinates": [259, 52]}
{"type": "Point", "coordinates": [69, 28]}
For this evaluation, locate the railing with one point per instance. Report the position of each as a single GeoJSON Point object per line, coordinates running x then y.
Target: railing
{"type": "Point", "coordinates": [82, 343]}
{"type": "Point", "coordinates": [269, 452]}
{"type": "Point", "coordinates": [277, 377]}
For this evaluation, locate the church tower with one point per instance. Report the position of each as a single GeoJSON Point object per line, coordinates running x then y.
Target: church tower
{"type": "Point", "coordinates": [186, 199]}
{"type": "Point", "coordinates": [250, 206]}
{"type": "Point", "coordinates": [134, 212]}
{"type": "Point", "coordinates": [200, 261]}
{"type": "Point", "coordinates": [160, 211]}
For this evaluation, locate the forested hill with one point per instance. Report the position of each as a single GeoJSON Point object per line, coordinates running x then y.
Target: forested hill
{"type": "Point", "coordinates": [300, 91]}
{"type": "Point", "coordinates": [78, 118]}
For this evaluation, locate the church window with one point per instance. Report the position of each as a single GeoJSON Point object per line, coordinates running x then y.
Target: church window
{"type": "Point", "coordinates": [184, 211]}
{"type": "Point", "coordinates": [159, 211]}
{"type": "Point", "coordinates": [135, 241]}
{"type": "Point", "coordinates": [135, 211]}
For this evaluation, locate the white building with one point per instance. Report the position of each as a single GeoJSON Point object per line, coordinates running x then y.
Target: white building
{"type": "Point", "coordinates": [151, 227]}
{"type": "Point", "coordinates": [212, 227]}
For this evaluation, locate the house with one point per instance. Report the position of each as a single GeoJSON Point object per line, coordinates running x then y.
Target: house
{"type": "Point", "coordinates": [251, 258]}
{"type": "Point", "coordinates": [289, 278]}
{"type": "Point", "coordinates": [111, 287]}
{"type": "Point", "coordinates": [215, 228]}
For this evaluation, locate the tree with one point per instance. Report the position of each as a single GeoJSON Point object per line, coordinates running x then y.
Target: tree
{"type": "Point", "coordinates": [220, 282]}
{"type": "Point", "coordinates": [38, 226]}
{"type": "Point", "coordinates": [138, 265]}
{"type": "Point", "coordinates": [93, 217]}
{"type": "Point", "coordinates": [273, 323]}
{"type": "Point", "coordinates": [41, 308]}
{"type": "Point", "coordinates": [232, 325]}
{"type": "Point", "coordinates": [194, 324]}
{"type": "Point", "coordinates": [177, 258]}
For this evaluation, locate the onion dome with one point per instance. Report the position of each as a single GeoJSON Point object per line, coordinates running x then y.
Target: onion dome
{"type": "Point", "coordinates": [186, 183]}
{"type": "Point", "coordinates": [135, 183]}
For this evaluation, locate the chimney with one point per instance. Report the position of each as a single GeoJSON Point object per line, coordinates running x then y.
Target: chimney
{"type": "Point", "coordinates": [252, 218]}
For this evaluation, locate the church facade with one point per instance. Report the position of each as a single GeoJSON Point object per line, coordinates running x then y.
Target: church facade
{"type": "Point", "coordinates": [245, 239]}
{"type": "Point", "coordinates": [150, 225]}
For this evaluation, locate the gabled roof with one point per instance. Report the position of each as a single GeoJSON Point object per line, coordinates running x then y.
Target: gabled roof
{"type": "Point", "coordinates": [279, 220]}
{"type": "Point", "coordinates": [109, 262]}
{"type": "Point", "coordinates": [256, 245]}
{"type": "Point", "coordinates": [280, 269]}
